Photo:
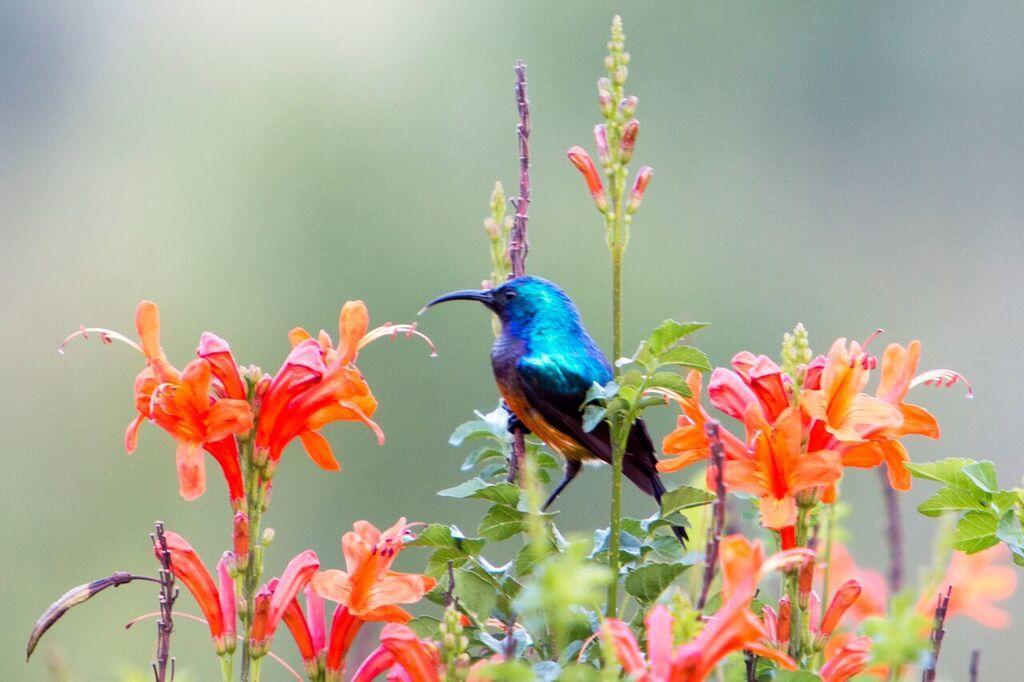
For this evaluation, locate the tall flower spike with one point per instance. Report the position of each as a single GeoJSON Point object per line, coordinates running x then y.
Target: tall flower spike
{"type": "Point", "coordinates": [585, 165]}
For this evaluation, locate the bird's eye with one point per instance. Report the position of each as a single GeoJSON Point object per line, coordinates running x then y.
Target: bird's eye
{"type": "Point", "coordinates": [509, 294]}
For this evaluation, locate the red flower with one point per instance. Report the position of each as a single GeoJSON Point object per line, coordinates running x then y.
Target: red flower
{"type": "Point", "coordinates": [274, 599]}
{"type": "Point", "coordinates": [406, 655]}
{"type": "Point", "coordinates": [689, 442]}
{"type": "Point", "coordinates": [851, 660]}
{"type": "Point", "coordinates": [190, 570]}
{"type": "Point", "coordinates": [368, 590]}
{"type": "Point", "coordinates": [585, 165]}
{"type": "Point", "coordinates": [198, 413]}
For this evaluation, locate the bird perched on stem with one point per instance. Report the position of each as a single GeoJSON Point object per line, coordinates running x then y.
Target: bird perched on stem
{"type": "Point", "coordinates": [544, 363]}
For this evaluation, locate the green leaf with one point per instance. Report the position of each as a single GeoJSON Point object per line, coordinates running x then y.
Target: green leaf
{"type": "Point", "coordinates": [1010, 530]}
{"type": "Point", "coordinates": [684, 497]}
{"type": "Point", "coordinates": [983, 474]}
{"type": "Point", "coordinates": [671, 381]}
{"type": "Point", "coordinates": [976, 531]}
{"type": "Point", "coordinates": [481, 455]}
{"type": "Point", "coordinates": [425, 627]}
{"type": "Point", "coordinates": [592, 416]}
{"type": "Point", "coordinates": [501, 493]}
{"type": "Point", "coordinates": [501, 522]}
{"type": "Point", "coordinates": [669, 332]}
{"type": "Point", "coordinates": [950, 500]}
{"type": "Point", "coordinates": [469, 431]}
{"type": "Point", "coordinates": [447, 537]}
{"type": "Point", "coordinates": [795, 676]}
{"type": "Point", "coordinates": [507, 672]}
{"type": "Point", "coordinates": [646, 583]}
{"type": "Point", "coordinates": [686, 356]}
{"type": "Point", "coordinates": [475, 593]}
{"type": "Point", "coordinates": [949, 471]}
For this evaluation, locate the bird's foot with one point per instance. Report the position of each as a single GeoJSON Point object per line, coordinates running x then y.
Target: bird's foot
{"type": "Point", "coordinates": [514, 424]}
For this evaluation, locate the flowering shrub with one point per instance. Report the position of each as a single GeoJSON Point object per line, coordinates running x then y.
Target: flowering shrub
{"type": "Point", "coordinates": [741, 573]}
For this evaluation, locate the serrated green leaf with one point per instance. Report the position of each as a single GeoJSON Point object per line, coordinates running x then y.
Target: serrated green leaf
{"type": "Point", "coordinates": [646, 583]}
{"type": "Point", "coordinates": [686, 356]}
{"type": "Point", "coordinates": [470, 431]}
{"type": "Point", "coordinates": [983, 474]}
{"type": "Point", "coordinates": [501, 493]}
{"type": "Point", "coordinates": [670, 332]}
{"type": "Point", "coordinates": [592, 416]}
{"type": "Point", "coordinates": [684, 497]}
{"type": "Point", "coordinates": [976, 531]}
{"type": "Point", "coordinates": [481, 455]}
{"type": "Point", "coordinates": [447, 537]}
{"type": "Point", "coordinates": [952, 500]}
{"type": "Point", "coordinates": [1011, 531]}
{"type": "Point", "coordinates": [475, 593]}
{"type": "Point", "coordinates": [501, 522]}
{"type": "Point", "coordinates": [425, 627]}
{"type": "Point", "coordinates": [670, 381]}
{"type": "Point", "coordinates": [949, 471]}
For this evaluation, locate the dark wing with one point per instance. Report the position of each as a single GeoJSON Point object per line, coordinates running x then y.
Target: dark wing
{"type": "Point", "coordinates": [557, 389]}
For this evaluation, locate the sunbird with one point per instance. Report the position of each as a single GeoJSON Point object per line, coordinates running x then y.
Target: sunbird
{"type": "Point", "coordinates": [544, 363]}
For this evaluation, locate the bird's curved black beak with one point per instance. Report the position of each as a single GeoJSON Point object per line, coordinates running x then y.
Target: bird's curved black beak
{"type": "Point", "coordinates": [484, 296]}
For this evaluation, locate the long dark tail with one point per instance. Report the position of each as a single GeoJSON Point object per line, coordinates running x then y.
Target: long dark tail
{"type": "Point", "coordinates": [639, 466]}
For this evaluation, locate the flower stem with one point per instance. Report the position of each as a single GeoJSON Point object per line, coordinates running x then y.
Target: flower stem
{"type": "Point", "coordinates": [254, 501]}
{"type": "Point", "coordinates": [227, 668]}
{"type": "Point", "coordinates": [620, 434]}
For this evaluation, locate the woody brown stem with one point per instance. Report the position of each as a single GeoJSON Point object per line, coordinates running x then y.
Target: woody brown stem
{"type": "Point", "coordinates": [938, 632]}
{"type": "Point", "coordinates": [165, 624]}
{"type": "Point", "coordinates": [718, 512]}
{"type": "Point", "coordinates": [518, 244]}
{"type": "Point", "coordinates": [894, 532]}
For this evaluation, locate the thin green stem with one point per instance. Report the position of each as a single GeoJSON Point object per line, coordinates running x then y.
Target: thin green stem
{"type": "Point", "coordinates": [227, 668]}
{"type": "Point", "coordinates": [254, 502]}
{"type": "Point", "coordinates": [620, 434]}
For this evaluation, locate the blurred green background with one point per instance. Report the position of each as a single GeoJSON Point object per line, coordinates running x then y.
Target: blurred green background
{"type": "Point", "coordinates": [250, 167]}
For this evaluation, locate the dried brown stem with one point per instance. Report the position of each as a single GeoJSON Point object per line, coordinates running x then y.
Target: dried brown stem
{"type": "Point", "coordinates": [518, 243]}
{"type": "Point", "coordinates": [894, 531]}
{"type": "Point", "coordinates": [938, 632]}
{"type": "Point", "coordinates": [168, 594]}
{"type": "Point", "coordinates": [973, 671]}
{"type": "Point", "coordinates": [718, 512]}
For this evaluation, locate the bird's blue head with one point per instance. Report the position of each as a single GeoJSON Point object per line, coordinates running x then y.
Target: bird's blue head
{"type": "Point", "coordinates": [523, 304]}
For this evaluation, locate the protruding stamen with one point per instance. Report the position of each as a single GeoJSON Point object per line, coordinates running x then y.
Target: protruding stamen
{"type": "Point", "coordinates": [942, 378]}
{"type": "Point", "coordinates": [106, 336]}
{"type": "Point", "coordinates": [394, 330]}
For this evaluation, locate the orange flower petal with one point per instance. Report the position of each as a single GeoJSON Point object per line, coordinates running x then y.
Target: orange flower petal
{"type": "Point", "coordinates": [191, 470]}
{"type": "Point", "coordinates": [353, 322]}
{"type": "Point", "coordinates": [319, 450]}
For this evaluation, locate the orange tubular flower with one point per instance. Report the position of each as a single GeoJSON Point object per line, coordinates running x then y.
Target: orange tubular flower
{"type": "Point", "coordinates": [779, 470]}
{"type": "Point", "coordinates": [899, 365]}
{"type": "Point", "coordinates": [689, 442]}
{"type": "Point", "coordinates": [190, 570]}
{"type": "Point", "coordinates": [585, 165]}
{"type": "Point", "coordinates": [851, 660]}
{"type": "Point", "coordinates": [368, 590]}
{"type": "Point", "coordinates": [842, 569]}
{"type": "Point", "coordinates": [307, 628]}
{"type": "Point", "coordinates": [181, 403]}
{"type": "Point", "coordinates": [978, 581]}
{"type": "Point", "coordinates": [275, 598]}
{"type": "Point", "coordinates": [319, 384]}
{"type": "Point", "coordinates": [847, 412]}
{"type": "Point", "coordinates": [404, 654]}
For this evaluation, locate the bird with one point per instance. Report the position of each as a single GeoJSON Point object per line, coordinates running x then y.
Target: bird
{"type": "Point", "coordinates": [544, 363]}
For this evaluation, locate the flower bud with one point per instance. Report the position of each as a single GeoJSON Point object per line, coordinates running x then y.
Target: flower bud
{"type": "Point", "coordinates": [628, 105]}
{"type": "Point", "coordinates": [601, 138]}
{"type": "Point", "coordinates": [844, 598]}
{"type": "Point", "coordinates": [629, 133]}
{"type": "Point", "coordinates": [241, 541]}
{"type": "Point", "coordinates": [636, 195]}
{"type": "Point", "coordinates": [268, 537]}
{"type": "Point", "coordinates": [785, 619]}
{"type": "Point", "coordinates": [619, 77]}
{"type": "Point", "coordinates": [585, 165]}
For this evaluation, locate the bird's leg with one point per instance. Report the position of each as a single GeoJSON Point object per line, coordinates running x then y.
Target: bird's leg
{"type": "Point", "coordinates": [514, 423]}
{"type": "Point", "coordinates": [572, 467]}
